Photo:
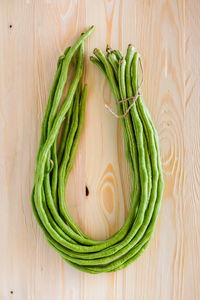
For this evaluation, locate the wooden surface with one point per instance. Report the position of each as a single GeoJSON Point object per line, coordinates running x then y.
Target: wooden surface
{"type": "Point", "coordinates": [33, 34]}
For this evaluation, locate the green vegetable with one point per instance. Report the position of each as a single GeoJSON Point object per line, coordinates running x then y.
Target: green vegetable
{"type": "Point", "coordinates": [55, 160]}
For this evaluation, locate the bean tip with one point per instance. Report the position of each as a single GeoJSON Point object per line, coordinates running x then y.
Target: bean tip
{"type": "Point", "coordinates": [108, 48]}
{"type": "Point", "coordinates": [114, 52]}
{"type": "Point", "coordinates": [95, 50]}
{"type": "Point", "coordinates": [91, 28]}
{"type": "Point", "coordinates": [122, 60]}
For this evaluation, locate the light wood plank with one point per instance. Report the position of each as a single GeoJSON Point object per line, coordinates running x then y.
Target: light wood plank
{"type": "Point", "coordinates": [167, 35]}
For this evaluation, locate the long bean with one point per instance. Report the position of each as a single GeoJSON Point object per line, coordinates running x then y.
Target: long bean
{"type": "Point", "coordinates": [55, 159]}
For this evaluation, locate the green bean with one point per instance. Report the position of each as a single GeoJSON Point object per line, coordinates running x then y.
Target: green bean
{"type": "Point", "coordinates": [118, 54]}
{"type": "Point", "coordinates": [99, 64]}
{"type": "Point", "coordinates": [114, 62]}
{"type": "Point", "coordinates": [136, 57]}
{"type": "Point", "coordinates": [55, 160]}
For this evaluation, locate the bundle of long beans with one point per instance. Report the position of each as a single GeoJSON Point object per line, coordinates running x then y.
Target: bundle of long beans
{"type": "Point", "coordinates": [55, 160]}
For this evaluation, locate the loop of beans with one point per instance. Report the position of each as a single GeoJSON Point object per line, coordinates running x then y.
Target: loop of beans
{"type": "Point", "coordinates": [63, 121]}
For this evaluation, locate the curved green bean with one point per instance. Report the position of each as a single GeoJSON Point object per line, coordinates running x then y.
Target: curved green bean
{"type": "Point", "coordinates": [60, 133]}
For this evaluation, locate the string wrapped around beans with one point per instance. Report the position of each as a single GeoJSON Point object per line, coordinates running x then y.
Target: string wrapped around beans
{"type": "Point", "coordinates": [55, 160]}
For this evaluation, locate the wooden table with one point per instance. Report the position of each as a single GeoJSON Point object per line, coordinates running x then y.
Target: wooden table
{"type": "Point", "coordinates": [33, 35]}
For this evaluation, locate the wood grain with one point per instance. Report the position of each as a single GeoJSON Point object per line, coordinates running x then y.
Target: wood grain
{"type": "Point", "coordinates": [33, 34]}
